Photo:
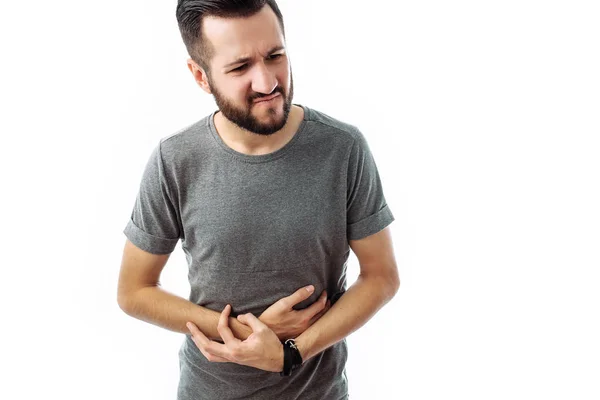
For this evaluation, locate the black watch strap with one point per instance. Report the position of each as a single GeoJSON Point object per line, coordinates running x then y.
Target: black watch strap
{"type": "Point", "coordinates": [291, 357]}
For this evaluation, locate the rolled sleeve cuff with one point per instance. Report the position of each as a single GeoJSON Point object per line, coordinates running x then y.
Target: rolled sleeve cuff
{"type": "Point", "coordinates": [370, 225]}
{"type": "Point", "coordinates": [145, 241]}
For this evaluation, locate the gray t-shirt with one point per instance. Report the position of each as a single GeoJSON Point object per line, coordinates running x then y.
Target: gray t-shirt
{"type": "Point", "coordinates": [255, 229]}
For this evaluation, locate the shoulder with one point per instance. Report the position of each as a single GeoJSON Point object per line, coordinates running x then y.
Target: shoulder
{"type": "Point", "coordinates": [186, 144]}
{"type": "Point", "coordinates": [335, 128]}
{"type": "Point", "coordinates": [347, 133]}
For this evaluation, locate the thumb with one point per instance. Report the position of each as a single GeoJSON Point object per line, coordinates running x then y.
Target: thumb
{"type": "Point", "coordinates": [299, 295]}
{"type": "Point", "coordinates": [251, 320]}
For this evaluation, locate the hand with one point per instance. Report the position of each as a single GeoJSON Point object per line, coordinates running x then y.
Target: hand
{"type": "Point", "coordinates": [262, 349]}
{"type": "Point", "coordinates": [288, 323]}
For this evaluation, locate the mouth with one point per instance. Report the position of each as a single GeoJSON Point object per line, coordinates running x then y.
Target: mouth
{"type": "Point", "coordinates": [267, 99]}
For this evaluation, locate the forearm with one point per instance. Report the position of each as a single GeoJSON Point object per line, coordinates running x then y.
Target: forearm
{"type": "Point", "coordinates": [358, 304]}
{"type": "Point", "coordinates": [159, 307]}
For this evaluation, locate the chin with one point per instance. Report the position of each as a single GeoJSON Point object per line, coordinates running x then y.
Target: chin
{"type": "Point", "coordinates": [273, 127]}
{"type": "Point", "coordinates": [268, 115]}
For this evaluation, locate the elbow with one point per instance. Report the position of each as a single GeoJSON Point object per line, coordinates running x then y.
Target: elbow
{"type": "Point", "coordinates": [392, 283]}
{"type": "Point", "coordinates": [125, 301]}
{"type": "Point", "coordinates": [397, 286]}
{"type": "Point", "coordinates": [395, 281]}
{"type": "Point", "coordinates": [123, 304]}
{"type": "Point", "coordinates": [130, 300]}
{"type": "Point", "coordinates": [388, 285]}
{"type": "Point", "coordinates": [394, 286]}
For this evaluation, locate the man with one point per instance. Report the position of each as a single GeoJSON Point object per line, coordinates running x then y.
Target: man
{"type": "Point", "coordinates": [268, 198]}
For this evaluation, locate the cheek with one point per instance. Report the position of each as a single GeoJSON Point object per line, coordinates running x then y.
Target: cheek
{"type": "Point", "coordinates": [239, 94]}
{"type": "Point", "coordinates": [285, 78]}
{"type": "Point", "coordinates": [230, 89]}
{"type": "Point", "coordinates": [282, 70]}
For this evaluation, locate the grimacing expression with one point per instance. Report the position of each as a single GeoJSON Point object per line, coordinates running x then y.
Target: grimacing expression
{"type": "Point", "coordinates": [250, 63]}
{"type": "Point", "coordinates": [244, 116]}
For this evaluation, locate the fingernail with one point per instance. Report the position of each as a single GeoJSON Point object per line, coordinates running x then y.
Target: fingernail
{"type": "Point", "coordinates": [310, 288]}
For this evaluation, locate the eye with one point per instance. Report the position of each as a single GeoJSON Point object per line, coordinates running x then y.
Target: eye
{"type": "Point", "coordinates": [274, 56]}
{"type": "Point", "coordinates": [241, 67]}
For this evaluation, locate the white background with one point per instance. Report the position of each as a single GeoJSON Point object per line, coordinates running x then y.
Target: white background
{"type": "Point", "coordinates": [483, 118]}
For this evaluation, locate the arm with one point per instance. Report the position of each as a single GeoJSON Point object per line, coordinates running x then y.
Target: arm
{"type": "Point", "coordinates": [140, 296]}
{"type": "Point", "coordinates": [377, 283]}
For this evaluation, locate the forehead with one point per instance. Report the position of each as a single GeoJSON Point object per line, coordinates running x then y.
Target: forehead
{"type": "Point", "coordinates": [234, 38]}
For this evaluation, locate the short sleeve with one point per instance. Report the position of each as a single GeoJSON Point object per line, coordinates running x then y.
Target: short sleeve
{"type": "Point", "coordinates": [367, 211]}
{"type": "Point", "coordinates": [153, 225]}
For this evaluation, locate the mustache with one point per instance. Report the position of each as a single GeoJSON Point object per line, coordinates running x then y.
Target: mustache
{"type": "Point", "coordinates": [261, 96]}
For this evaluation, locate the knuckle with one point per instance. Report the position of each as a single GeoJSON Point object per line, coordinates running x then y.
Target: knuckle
{"type": "Point", "coordinates": [283, 303]}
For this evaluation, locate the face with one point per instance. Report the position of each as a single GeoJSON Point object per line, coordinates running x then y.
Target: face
{"type": "Point", "coordinates": [250, 64]}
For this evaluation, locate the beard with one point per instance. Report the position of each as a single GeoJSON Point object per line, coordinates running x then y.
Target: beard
{"type": "Point", "coordinates": [244, 118]}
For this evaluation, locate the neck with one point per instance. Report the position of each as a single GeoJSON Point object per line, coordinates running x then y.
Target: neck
{"type": "Point", "coordinates": [255, 144]}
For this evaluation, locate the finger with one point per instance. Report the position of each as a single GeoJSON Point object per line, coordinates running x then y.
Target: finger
{"type": "Point", "coordinates": [223, 327]}
{"type": "Point", "coordinates": [298, 296]}
{"type": "Point", "coordinates": [317, 306]}
{"type": "Point", "coordinates": [197, 336]}
{"type": "Point", "coordinates": [213, 358]}
{"type": "Point", "coordinates": [253, 322]}
{"type": "Point", "coordinates": [212, 350]}
{"type": "Point", "coordinates": [315, 318]}
{"type": "Point", "coordinates": [320, 314]}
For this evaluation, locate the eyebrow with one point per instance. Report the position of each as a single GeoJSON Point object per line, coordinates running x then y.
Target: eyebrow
{"type": "Point", "coordinates": [246, 59]}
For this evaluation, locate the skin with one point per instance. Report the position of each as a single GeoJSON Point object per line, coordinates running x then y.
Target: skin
{"type": "Point", "coordinates": [243, 122]}
{"type": "Point", "coordinates": [141, 296]}
{"type": "Point", "coordinates": [253, 129]}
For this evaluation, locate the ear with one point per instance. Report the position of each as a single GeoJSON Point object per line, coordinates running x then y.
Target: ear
{"type": "Point", "coordinates": [199, 75]}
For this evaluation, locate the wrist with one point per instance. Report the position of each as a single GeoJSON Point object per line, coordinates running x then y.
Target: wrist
{"type": "Point", "coordinates": [292, 358]}
{"type": "Point", "coordinates": [302, 343]}
{"type": "Point", "coordinates": [281, 359]}
{"type": "Point", "coordinates": [281, 335]}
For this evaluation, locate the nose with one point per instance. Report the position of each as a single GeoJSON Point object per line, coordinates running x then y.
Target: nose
{"type": "Point", "coordinates": [263, 81]}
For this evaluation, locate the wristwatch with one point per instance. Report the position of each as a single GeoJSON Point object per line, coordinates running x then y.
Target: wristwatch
{"type": "Point", "coordinates": [292, 359]}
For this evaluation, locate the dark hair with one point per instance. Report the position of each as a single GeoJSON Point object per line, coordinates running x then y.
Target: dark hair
{"type": "Point", "coordinates": [190, 14]}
